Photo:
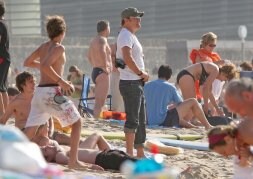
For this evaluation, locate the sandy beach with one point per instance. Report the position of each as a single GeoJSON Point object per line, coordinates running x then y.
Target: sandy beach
{"type": "Point", "coordinates": [203, 164]}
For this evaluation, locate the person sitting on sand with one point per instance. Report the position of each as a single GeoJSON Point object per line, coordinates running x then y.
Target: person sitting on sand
{"type": "Point", "coordinates": [20, 106]}
{"type": "Point", "coordinates": [165, 106]}
{"type": "Point", "coordinates": [76, 77]}
{"type": "Point", "coordinates": [227, 141]}
{"type": "Point", "coordinates": [206, 73]}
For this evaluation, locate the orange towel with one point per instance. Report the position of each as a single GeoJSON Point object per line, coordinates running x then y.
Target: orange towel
{"type": "Point", "coordinates": [204, 56]}
{"type": "Point", "coordinates": [114, 115]}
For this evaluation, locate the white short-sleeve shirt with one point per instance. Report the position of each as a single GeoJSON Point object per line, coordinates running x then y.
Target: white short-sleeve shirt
{"type": "Point", "coordinates": [126, 38]}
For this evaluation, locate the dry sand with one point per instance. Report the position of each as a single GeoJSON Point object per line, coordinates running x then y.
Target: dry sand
{"type": "Point", "coordinates": [203, 164]}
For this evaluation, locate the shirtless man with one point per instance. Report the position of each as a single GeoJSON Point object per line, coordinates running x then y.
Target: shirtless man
{"type": "Point", "coordinates": [19, 107]}
{"type": "Point", "coordinates": [99, 55]}
{"type": "Point", "coordinates": [48, 97]}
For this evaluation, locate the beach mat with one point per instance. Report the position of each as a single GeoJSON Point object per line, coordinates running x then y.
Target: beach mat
{"type": "Point", "coordinates": [203, 146]}
{"type": "Point", "coordinates": [121, 135]}
{"type": "Point", "coordinates": [155, 145]}
{"type": "Point", "coordinates": [219, 120]}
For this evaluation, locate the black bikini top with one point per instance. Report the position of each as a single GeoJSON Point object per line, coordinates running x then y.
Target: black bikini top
{"type": "Point", "coordinates": [204, 75]}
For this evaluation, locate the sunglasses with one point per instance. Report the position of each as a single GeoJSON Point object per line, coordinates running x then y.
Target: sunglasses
{"type": "Point", "coordinates": [212, 45]}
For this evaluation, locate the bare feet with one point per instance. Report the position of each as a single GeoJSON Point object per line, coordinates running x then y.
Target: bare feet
{"type": "Point", "coordinates": [81, 165]}
{"type": "Point", "coordinates": [208, 127]}
{"type": "Point", "coordinates": [140, 153]}
{"type": "Point", "coordinates": [77, 165]}
{"type": "Point", "coordinates": [96, 167]}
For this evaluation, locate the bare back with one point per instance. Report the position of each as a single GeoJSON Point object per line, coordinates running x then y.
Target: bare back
{"type": "Point", "coordinates": [48, 57]}
{"type": "Point", "coordinates": [99, 54]}
{"type": "Point", "coordinates": [210, 68]}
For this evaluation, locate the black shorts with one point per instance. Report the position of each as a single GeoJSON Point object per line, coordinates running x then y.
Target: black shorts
{"type": "Point", "coordinates": [219, 120]}
{"type": "Point", "coordinates": [171, 119]}
{"type": "Point", "coordinates": [112, 159]}
{"type": "Point", "coordinates": [4, 68]}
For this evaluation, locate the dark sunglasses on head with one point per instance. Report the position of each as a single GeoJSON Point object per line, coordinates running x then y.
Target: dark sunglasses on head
{"type": "Point", "coordinates": [212, 45]}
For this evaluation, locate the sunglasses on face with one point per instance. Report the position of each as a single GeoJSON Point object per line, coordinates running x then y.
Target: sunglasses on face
{"type": "Point", "coordinates": [212, 45]}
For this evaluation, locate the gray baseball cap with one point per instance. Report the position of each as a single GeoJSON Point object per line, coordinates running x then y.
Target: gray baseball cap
{"type": "Point", "coordinates": [131, 12]}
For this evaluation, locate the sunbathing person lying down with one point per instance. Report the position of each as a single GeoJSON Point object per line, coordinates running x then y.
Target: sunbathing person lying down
{"type": "Point", "coordinates": [107, 159]}
{"type": "Point", "coordinates": [101, 159]}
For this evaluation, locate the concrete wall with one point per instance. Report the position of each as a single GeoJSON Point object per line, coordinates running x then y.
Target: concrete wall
{"type": "Point", "coordinates": [157, 52]}
{"type": "Point", "coordinates": [23, 17]}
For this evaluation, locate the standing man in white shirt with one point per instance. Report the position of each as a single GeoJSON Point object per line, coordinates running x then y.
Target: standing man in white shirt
{"type": "Point", "coordinates": [132, 78]}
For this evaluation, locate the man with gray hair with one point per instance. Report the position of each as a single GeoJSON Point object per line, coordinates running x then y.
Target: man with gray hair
{"type": "Point", "coordinates": [239, 97]}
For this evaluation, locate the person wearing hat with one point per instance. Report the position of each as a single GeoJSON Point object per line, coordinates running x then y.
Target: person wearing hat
{"type": "Point", "coordinates": [132, 78]}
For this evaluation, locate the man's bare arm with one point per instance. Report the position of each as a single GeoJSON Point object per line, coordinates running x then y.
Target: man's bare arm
{"type": "Point", "coordinates": [32, 60]}
{"type": "Point", "coordinates": [50, 127]}
{"type": "Point", "coordinates": [89, 55]}
{"type": "Point", "coordinates": [102, 50]}
{"type": "Point", "coordinates": [207, 88]}
{"type": "Point", "coordinates": [8, 113]}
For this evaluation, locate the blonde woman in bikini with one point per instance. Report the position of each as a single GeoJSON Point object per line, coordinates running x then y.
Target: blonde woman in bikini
{"type": "Point", "coordinates": [206, 73]}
